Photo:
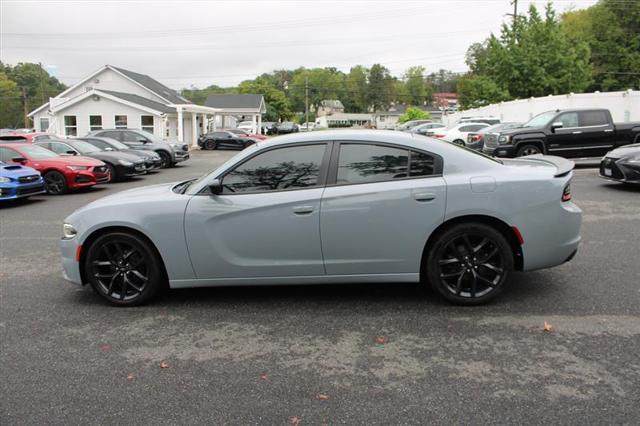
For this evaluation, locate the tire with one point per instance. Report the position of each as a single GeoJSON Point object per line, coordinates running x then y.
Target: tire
{"type": "Point", "coordinates": [113, 173]}
{"type": "Point", "coordinates": [124, 269]}
{"type": "Point", "coordinates": [469, 263]}
{"type": "Point", "coordinates": [165, 158]}
{"type": "Point", "coordinates": [459, 142]}
{"type": "Point", "coordinates": [525, 150]}
{"type": "Point", "coordinates": [55, 183]}
{"type": "Point", "coordinates": [210, 145]}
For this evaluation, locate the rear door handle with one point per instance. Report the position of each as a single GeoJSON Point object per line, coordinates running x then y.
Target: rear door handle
{"type": "Point", "coordinates": [301, 210]}
{"type": "Point", "coordinates": [424, 196]}
{"type": "Point", "coordinates": [577, 132]}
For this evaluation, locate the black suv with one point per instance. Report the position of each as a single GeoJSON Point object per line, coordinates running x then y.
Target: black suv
{"type": "Point", "coordinates": [170, 153]}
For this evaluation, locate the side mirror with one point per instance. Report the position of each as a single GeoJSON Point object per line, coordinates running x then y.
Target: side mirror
{"type": "Point", "coordinates": [71, 153]}
{"type": "Point", "coordinates": [20, 160]}
{"type": "Point", "coordinates": [215, 187]}
{"type": "Point", "coordinates": [143, 140]}
{"type": "Point", "coordinates": [555, 126]}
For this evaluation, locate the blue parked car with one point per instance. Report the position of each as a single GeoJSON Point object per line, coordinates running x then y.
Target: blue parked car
{"type": "Point", "coordinates": [18, 181]}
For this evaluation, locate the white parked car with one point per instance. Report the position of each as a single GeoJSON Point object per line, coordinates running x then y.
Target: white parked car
{"type": "Point", "coordinates": [247, 126]}
{"type": "Point", "coordinates": [458, 133]}
{"type": "Point", "coordinates": [308, 126]}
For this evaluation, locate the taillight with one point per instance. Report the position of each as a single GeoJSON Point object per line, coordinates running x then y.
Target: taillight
{"type": "Point", "coordinates": [566, 193]}
{"type": "Point", "coordinates": [438, 136]}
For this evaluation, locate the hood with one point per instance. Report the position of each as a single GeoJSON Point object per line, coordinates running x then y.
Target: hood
{"type": "Point", "coordinates": [71, 160]}
{"type": "Point", "coordinates": [16, 170]}
{"type": "Point", "coordinates": [519, 131]}
{"type": "Point", "coordinates": [140, 153]}
{"type": "Point", "coordinates": [138, 195]}
{"type": "Point", "coordinates": [114, 156]}
{"type": "Point", "coordinates": [624, 151]}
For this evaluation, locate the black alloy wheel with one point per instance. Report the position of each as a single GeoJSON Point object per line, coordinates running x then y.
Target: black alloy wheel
{"type": "Point", "coordinates": [55, 183]}
{"type": "Point", "coordinates": [469, 264]}
{"type": "Point", "coordinates": [209, 144]}
{"type": "Point", "coordinates": [165, 159]}
{"type": "Point", "coordinates": [528, 150]}
{"type": "Point", "coordinates": [459, 142]}
{"type": "Point", "coordinates": [124, 269]}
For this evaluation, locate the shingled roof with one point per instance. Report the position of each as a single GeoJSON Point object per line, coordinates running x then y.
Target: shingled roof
{"type": "Point", "coordinates": [154, 85]}
{"type": "Point", "coordinates": [136, 99]}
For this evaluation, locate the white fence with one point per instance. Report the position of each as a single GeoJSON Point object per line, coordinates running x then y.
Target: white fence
{"type": "Point", "coordinates": [624, 106]}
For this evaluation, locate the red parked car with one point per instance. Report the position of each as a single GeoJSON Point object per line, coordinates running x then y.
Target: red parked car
{"type": "Point", "coordinates": [60, 173]}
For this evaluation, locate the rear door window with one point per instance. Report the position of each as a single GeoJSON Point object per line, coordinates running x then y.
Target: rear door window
{"type": "Point", "coordinates": [593, 118]}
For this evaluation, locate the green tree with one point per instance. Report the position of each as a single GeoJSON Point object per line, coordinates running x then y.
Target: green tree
{"type": "Point", "coordinates": [36, 82]}
{"type": "Point", "coordinates": [417, 89]}
{"type": "Point", "coordinates": [533, 57]}
{"type": "Point", "coordinates": [380, 90]}
{"type": "Point", "coordinates": [613, 35]}
{"type": "Point", "coordinates": [355, 96]}
{"type": "Point", "coordinates": [199, 96]}
{"type": "Point", "coordinates": [278, 105]}
{"type": "Point", "coordinates": [477, 91]}
{"type": "Point", "coordinates": [10, 103]}
{"type": "Point", "coordinates": [414, 114]}
{"type": "Point", "coordinates": [323, 83]}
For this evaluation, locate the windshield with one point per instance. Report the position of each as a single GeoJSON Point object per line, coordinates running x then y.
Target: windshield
{"type": "Point", "coordinates": [117, 144]}
{"type": "Point", "coordinates": [85, 147]}
{"type": "Point", "coordinates": [37, 152]}
{"type": "Point", "coordinates": [540, 120]}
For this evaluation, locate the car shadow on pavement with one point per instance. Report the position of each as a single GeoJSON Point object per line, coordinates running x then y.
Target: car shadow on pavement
{"type": "Point", "coordinates": [622, 187]}
{"type": "Point", "coordinates": [21, 202]}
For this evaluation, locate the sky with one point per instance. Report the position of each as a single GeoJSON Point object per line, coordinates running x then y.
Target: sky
{"type": "Point", "coordinates": [199, 43]}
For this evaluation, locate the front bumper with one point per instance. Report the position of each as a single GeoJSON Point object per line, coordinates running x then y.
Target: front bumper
{"type": "Point", "coordinates": [13, 192]}
{"type": "Point", "coordinates": [180, 156]}
{"type": "Point", "coordinates": [70, 266]}
{"type": "Point", "coordinates": [619, 171]}
{"type": "Point", "coordinates": [508, 151]}
{"type": "Point", "coordinates": [133, 170]}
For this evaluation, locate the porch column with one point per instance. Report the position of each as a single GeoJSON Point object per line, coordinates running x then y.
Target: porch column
{"type": "Point", "coordinates": [253, 123]}
{"type": "Point", "coordinates": [205, 126]}
{"type": "Point", "coordinates": [215, 122]}
{"type": "Point", "coordinates": [194, 129]}
{"type": "Point", "coordinates": [180, 126]}
{"type": "Point", "coordinates": [259, 124]}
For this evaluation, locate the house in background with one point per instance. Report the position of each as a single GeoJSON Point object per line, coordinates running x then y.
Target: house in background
{"type": "Point", "coordinates": [330, 106]}
{"type": "Point", "coordinates": [235, 107]}
{"type": "Point", "coordinates": [389, 119]}
{"type": "Point", "coordinates": [113, 97]}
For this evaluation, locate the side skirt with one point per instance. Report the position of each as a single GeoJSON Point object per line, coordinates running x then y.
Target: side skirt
{"type": "Point", "coordinates": [308, 280]}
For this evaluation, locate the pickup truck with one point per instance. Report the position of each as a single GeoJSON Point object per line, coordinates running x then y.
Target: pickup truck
{"type": "Point", "coordinates": [565, 133]}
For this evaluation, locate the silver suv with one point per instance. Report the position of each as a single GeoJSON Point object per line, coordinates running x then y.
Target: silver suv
{"type": "Point", "coordinates": [170, 153]}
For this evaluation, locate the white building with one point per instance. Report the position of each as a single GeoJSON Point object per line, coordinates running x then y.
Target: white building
{"type": "Point", "coordinates": [114, 97]}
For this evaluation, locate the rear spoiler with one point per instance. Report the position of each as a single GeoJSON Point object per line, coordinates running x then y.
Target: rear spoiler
{"type": "Point", "coordinates": [562, 165]}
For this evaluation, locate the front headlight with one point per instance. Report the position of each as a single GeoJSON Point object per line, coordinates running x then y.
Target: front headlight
{"type": "Point", "coordinates": [4, 179]}
{"type": "Point", "coordinates": [125, 163]}
{"type": "Point", "coordinates": [68, 231]}
{"type": "Point", "coordinates": [77, 167]}
{"type": "Point", "coordinates": [504, 139]}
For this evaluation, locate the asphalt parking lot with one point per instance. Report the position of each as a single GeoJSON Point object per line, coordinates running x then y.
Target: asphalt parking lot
{"type": "Point", "coordinates": [350, 354]}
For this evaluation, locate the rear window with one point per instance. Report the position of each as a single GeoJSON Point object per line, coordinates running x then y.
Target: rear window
{"type": "Point", "coordinates": [593, 118]}
{"type": "Point", "coordinates": [13, 138]}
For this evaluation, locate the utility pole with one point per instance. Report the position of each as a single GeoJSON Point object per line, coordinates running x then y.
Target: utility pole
{"type": "Point", "coordinates": [24, 107]}
{"type": "Point", "coordinates": [515, 11]}
{"type": "Point", "coordinates": [42, 83]}
{"type": "Point", "coordinates": [306, 100]}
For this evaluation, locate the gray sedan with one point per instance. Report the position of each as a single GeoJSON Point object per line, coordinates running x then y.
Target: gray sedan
{"type": "Point", "coordinates": [332, 207]}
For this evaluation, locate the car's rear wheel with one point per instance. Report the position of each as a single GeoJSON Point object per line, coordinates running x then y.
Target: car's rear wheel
{"type": "Point", "coordinates": [124, 269]}
{"type": "Point", "coordinates": [55, 183]}
{"type": "Point", "coordinates": [459, 142]}
{"type": "Point", "coordinates": [165, 159]}
{"type": "Point", "coordinates": [469, 263]}
{"type": "Point", "coordinates": [210, 145]}
{"type": "Point", "coordinates": [528, 150]}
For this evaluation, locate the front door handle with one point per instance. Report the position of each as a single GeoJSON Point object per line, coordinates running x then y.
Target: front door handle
{"type": "Point", "coordinates": [424, 196]}
{"type": "Point", "coordinates": [577, 132]}
{"type": "Point", "coordinates": [303, 210]}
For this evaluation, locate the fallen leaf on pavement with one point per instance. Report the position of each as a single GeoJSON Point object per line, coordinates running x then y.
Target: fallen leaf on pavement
{"type": "Point", "coordinates": [323, 396]}
{"type": "Point", "coordinates": [547, 327]}
{"type": "Point", "coordinates": [105, 348]}
{"type": "Point", "coordinates": [295, 420]}
{"type": "Point", "coordinates": [164, 364]}
{"type": "Point", "coordinates": [130, 376]}
{"type": "Point", "coordinates": [381, 340]}
{"type": "Point", "coordinates": [264, 377]}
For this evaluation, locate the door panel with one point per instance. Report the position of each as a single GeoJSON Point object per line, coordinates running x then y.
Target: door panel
{"type": "Point", "coordinates": [255, 235]}
{"type": "Point", "coordinates": [380, 228]}
{"type": "Point", "coordinates": [597, 134]}
{"type": "Point", "coordinates": [563, 141]}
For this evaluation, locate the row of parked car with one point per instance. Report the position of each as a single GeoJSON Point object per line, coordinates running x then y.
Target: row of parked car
{"type": "Point", "coordinates": [35, 163]}
{"type": "Point", "coordinates": [572, 133]}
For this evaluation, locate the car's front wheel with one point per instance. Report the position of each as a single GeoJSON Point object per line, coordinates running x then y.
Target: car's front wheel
{"type": "Point", "coordinates": [525, 150]}
{"type": "Point", "coordinates": [55, 183]}
{"type": "Point", "coordinates": [165, 159]}
{"type": "Point", "coordinates": [469, 263]}
{"type": "Point", "coordinates": [124, 269]}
